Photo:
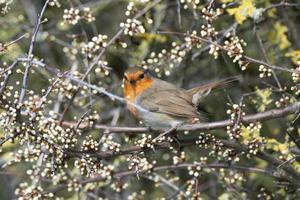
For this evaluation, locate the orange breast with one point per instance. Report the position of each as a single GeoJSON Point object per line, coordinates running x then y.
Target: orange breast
{"type": "Point", "coordinates": [133, 91]}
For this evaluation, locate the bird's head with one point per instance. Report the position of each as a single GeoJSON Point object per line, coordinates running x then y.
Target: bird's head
{"type": "Point", "coordinates": [136, 80]}
{"type": "Point", "coordinates": [136, 76]}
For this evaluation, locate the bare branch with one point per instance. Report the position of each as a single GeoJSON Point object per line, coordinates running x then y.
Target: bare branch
{"type": "Point", "coordinates": [249, 59]}
{"type": "Point", "coordinates": [172, 167]}
{"type": "Point", "coordinates": [270, 114]}
{"type": "Point", "coordinates": [30, 57]}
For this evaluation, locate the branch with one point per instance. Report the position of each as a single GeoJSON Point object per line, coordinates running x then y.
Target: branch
{"type": "Point", "coordinates": [247, 58]}
{"type": "Point", "coordinates": [170, 167]}
{"type": "Point", "coordinates": [294, 175]}
{"type": "Point", "coordinates": [7, 73]}
{"type": "Point", "coordinates": [30, 56]}
{"type": "Point", "coordinates": [282, 4]}
{"type": "Point", "coordinates": [274, 113]}
{"type": "Point", "coordinates": [116, 36]}
{"type": "Point", "coordinates": [270, 114]}
{"type": "Point", "coordinates": [188, 142]}
{"type": "Point", "coordinates": [5, 46]}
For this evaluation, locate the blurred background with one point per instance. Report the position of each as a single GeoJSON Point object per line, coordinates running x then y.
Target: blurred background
{"type": "Point", "coordinates": [60, 44]}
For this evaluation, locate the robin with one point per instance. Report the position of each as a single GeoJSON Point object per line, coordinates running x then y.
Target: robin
{"type": "Point", "coordinates": [160, 104]}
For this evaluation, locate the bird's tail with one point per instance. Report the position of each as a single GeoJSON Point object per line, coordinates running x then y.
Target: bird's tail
{"type": "Point", "coordinates": [214, 84]}
{"type": "Point", "coordinates": [197, 93]}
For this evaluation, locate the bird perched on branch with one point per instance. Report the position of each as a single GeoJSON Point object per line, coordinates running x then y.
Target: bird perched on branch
{"type": "Point", "coordinates": [162, 105]}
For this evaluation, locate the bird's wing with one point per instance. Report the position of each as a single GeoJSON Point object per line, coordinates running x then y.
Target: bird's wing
{"type": "Point", "coordinates": [173, 102]}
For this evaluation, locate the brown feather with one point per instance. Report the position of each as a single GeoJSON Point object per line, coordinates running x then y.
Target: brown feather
{"type": "Point", "coordinates": [214, 84]}
{"type": "Point", "coordinates": [163, 97]}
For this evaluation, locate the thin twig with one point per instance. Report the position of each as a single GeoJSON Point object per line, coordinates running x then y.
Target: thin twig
{"type": "Point", "coordinates": [5, 46]}
{"type": "Point", "coordinates": [266, 57]}
{"type": "Point", "coordinates": [116, 36]}
{"type": "Point", "coordinates": [171, 130]}
{"type": "Point", "coordinates": [7, 76]}
{"type": "Point", "coordinates": [249, 59]}
{"type": "Point", "coordinates": [281, 4]}
{"type": "Point", "coordinates": [170, 184]}
{"type": "Point", "coordinates": [287, 161]}
{"type": "Point", "coordinates": [30, 57]}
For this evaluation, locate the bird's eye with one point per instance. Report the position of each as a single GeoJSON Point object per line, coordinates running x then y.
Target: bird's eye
{"type": "Point", "coordinates": [142, 76]}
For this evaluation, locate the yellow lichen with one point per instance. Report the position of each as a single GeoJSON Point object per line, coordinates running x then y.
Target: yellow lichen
{"type": "Point", "coordinates": [294, 55]}
{"type": "Point", "coordinates": [278, 36]}
{"type": "Point", "coordinates": [263, 100]}
{"type": "Point", "coordinates": [243, 11]}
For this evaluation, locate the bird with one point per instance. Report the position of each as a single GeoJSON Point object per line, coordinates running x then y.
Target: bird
{"type": "Point", "coordinates": [163, 105]}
